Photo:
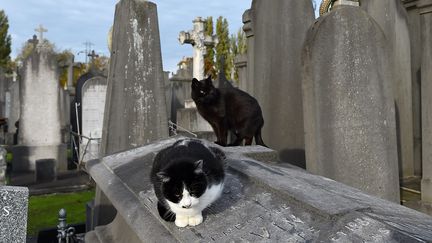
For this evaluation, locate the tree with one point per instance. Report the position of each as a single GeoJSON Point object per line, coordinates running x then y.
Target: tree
{"type": "Point", "coordinates": [223, 46]}
{"type": "Point", "coordinates": [209, 65]}
{"type": "Point", "coordinates": [5, 40]}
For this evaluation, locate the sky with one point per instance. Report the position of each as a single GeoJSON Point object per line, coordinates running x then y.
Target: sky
{"type": "Point", "coordinates": [72, 23]}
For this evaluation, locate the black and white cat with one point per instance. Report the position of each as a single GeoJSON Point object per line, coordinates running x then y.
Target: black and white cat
{"type": "Point", "coordinates": [187, 177]}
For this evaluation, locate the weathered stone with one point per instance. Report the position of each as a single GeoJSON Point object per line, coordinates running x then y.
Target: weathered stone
{"type": "Point", "coordinates": [40, 112]}
{"type": "Point", "coordinates": [348, 103]}
{"type": "Point", "coordinates": [135, 111]}
{"type": "Point", "coordinates": [392, 17]}
{"type": "Point", "coordinates": [425, 7]}
{"type": "Point", "coordinates": [45, 170]}
{"type": "Point", "coordinates": [15, 104]}
{"type": "Point", "coordinates": [92, 111]}
{"type": "Point", "coordinates": [240, 63]}
{"type": "Point", "coordinates": [3, 166]}
{"type": "Point", "coordinates": [181, 87]}
{"type": "Point", "coordinates": [416, 53]}
{"type": "Point", "coordinates": [13, 214]}
{"type": "Point", "coordinates": [261, 202]}
{"type": "Point", "coordinates": [276, 31]}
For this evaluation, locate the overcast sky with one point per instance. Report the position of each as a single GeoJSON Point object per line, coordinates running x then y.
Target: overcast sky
{"type": "Point", "coordinates": [70, 23]}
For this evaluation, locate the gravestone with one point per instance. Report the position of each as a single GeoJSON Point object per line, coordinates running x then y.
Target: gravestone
{"type": "Point", "coordinates": [13, 214]}
{"type": "Point", "coordinates": [425, 8]}
{"type": "Point", "coordinates": [3, 166]}
{"type": "Point", "coordinates": [15, 103]}
{"type": "Point", "coordinates": [200, 41]}
{"type": "Point", "coordinates": [45, 170]}
{"type": "Point", "coordinates": [40, 124]}
{"type": "Point", "coordinates": [348, 103]}
{"type": "Point", "coordinates": [135, 110]}
{"type": "Point", "coordinates": [275, 31]}
{"type": "Point", "coordinates": [76, 112]}
{"type": "Point", "coordinates": [93, 105]}
{"type": "Point", "coordinates": [416, 53]}
{"type": "Point", "coordinates": [392, 17]}
{"type": "Point", "coordinates": [261, 202]}
{"type": "Point", "coordinates": [181, 86]}
{"type": "Point", "coordinates": [240, 63]}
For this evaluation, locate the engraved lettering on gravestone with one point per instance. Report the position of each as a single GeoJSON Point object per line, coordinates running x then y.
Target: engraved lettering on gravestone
{"type": "Point", "coordinates": [6, 209]}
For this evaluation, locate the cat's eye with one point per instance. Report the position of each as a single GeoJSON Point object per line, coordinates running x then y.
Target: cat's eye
{"type": "Point", "coordinates": [202, 92]}
{"type": "Point", "coordinates": [177, 195]}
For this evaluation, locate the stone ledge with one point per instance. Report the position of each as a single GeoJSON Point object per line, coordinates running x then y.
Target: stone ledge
{"type": "Point", "coordinates": [261, 202]}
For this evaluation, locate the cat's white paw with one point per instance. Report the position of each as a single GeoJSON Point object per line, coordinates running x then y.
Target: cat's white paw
{"type": "Point", "coordinates": [181, 221]}
{"type": "Point", "coordinates": [195, 220]}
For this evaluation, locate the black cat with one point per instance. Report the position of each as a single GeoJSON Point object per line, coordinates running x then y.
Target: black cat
{"type": "Point", "coordinates": [229, 109]}
{"type": "Point", "coordinates": [187, 177]}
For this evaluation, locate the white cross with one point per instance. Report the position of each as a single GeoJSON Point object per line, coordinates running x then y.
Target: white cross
{"type": "Point", "coordinates": [41, 30]}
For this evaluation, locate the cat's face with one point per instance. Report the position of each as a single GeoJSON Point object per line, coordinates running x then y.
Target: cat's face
{"type": "Point", "coordinates": [183, 184]}
{"type": "Point", "coordinates": [203, 88]}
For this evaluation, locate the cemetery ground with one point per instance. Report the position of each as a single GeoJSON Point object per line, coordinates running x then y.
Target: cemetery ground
{"type": "Point", "coordinates": [43, 209]}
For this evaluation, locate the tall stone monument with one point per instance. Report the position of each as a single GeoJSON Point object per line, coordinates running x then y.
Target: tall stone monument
{"type": "Point", "coordinates": [199, 41]}
{"type": "Point", "coordinates": [275, 32]}
{"type": "Point", "coordinates": [348, 103]}
{"type": "Point", "coordinates": [39, 127]}
{"type": "Point", "coordinates": [392, 17]}
{"type": "Point", "coordinates": [425, 8]}
{"type": "Point", "coordinates": [135, 106]}
{"type": "Point", "coordinates": [135, 110]}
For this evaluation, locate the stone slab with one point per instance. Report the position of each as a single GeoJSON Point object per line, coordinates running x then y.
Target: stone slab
{"type": "Point", "coordinates": [13, 214]}
{"type": "Point", "coordinates": [261, 202]}
{"type": "Point", "coordinates": [45, 170]}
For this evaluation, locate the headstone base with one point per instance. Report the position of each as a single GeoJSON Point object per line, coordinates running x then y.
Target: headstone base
{"type": "Point", "coordinates": [426, 189]}
{"type": "Point", "coordinates": [24, 157]}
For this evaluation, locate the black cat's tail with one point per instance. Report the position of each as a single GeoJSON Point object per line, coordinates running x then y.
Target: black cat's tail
{"type": "Point", "coordinates": [258, 138]}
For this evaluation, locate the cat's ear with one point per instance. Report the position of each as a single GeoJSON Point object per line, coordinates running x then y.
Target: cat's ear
{"type": "Point", "coordinates": [163, 176]}
{"type": "Point", "coordinates": [209, 80]}
{"type": "Point", "coordinates": [195, 82]}
{"type": "Point", "coordinates": [198, 167]}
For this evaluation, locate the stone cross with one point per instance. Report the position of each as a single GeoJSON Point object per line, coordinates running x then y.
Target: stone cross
{"type": "Point", "coordinates": [40, 30]}
{"type": "Point", "coordinates": [199, 41]}
{"type": "Point", "coordinates": [92, 56]}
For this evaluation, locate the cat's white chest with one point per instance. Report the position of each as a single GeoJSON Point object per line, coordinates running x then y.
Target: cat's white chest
{"type": "Point", "coordinates": [189, 205]}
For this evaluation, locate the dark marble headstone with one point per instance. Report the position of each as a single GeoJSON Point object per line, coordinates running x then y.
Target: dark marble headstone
{"type": "Point", "coordinates": [13, 214]}
{"type": "Point", "coordinates": [45, 170]}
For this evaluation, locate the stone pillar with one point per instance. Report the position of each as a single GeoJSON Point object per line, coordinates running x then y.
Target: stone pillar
{"type": "Point", "coordinates": [135, 109]}
{"type": "Point", "coordinates": [15, 104]}
{"type": "Point", "coordinates": [248, 29]}
{"type": "Point", "coordinates": [425, 8]}
{"type": "Point", "coordinates": [39, 128]}
{"type": "Point", "coordinates": [348, 103]}
{"type": "Point", "coordinates": [416, 53]}
{"type": "Point", "coordinates": [392, 17]}
{"type": "Point", "coordinates": [135, 106]}
{"type": "Point", "coordinates": [279, 28]}
{"type": "Point", "coordinates": [240, 63]}
{"type": "Point", "coordinates": [199, 41]}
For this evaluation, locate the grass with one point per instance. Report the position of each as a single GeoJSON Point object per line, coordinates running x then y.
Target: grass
{"type": "Point", "coordinates": [43, 210]}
